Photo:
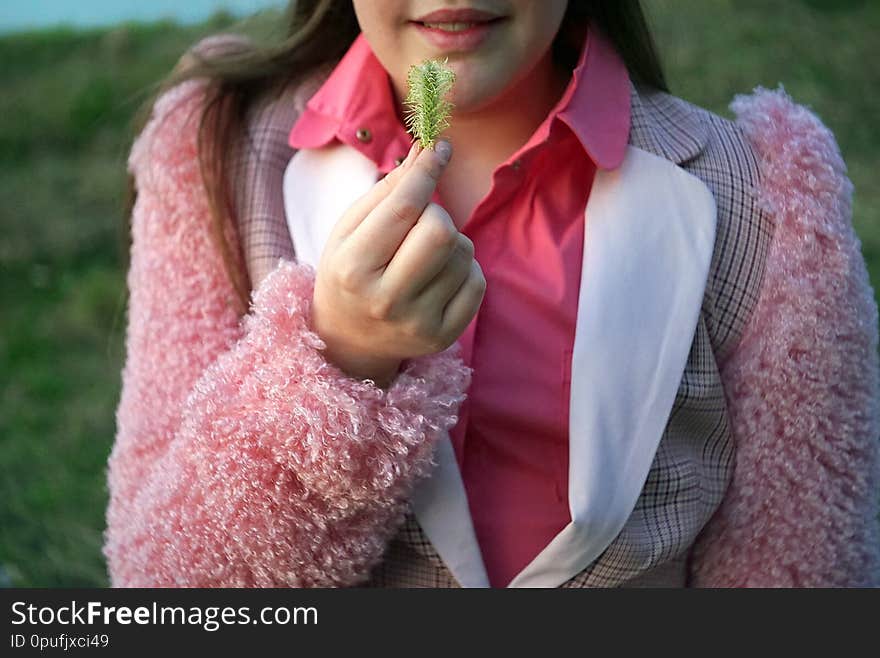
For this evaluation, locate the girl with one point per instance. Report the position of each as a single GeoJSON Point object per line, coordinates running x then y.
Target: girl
{"type": "Point", "coordinates": [597, 336]}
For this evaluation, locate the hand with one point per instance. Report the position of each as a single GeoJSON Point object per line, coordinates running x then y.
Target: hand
{"type": "Point", "coordinates": [396, 279]}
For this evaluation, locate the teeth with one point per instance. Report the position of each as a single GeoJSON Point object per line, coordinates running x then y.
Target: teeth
{"type": "Point", "coordinates": [450, 27]}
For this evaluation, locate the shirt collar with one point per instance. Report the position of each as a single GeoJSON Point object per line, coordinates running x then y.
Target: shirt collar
{"type": "Point", "coordinates": [356, 106]}
{"type": "Point", "coordinates": [596, 103]}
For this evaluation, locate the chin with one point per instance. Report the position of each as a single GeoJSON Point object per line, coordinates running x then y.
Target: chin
{"type": "Point", "coordinates": [471, 94]}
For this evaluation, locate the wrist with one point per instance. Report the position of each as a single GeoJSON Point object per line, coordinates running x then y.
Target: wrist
{"type": "Point", "coordinates": [353, 361]}
{"type": "Point", "coordinates": [359, 366]}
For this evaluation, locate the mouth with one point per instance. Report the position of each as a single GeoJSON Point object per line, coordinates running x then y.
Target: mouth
{"type": "Point", "coordinates": [451, 30]}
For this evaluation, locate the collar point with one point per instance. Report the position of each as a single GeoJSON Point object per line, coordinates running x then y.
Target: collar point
{"type": "Point", "coordinates": [611, 161]}
{"type": "Point", "coordinates": [311, 130]}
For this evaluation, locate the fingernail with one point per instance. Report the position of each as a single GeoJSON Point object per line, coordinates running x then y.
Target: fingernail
{"type": "Point", "coordinates": [443, 149]}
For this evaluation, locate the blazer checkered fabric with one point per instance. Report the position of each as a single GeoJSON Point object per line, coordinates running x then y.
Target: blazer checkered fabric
{"type": "Point", "coordinates": [694, 461]}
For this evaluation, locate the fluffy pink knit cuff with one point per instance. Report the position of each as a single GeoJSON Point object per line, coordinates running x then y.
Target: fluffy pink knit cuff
{"type": "Point", "coordinates": [348, 440]}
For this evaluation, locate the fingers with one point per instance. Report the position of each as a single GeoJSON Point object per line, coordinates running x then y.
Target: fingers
{"type": "Point", "coordinates": [462, 308]}
{"type": "Point", "coordinates": [442, 288]}
{"type": "Point", "coordinates": [383, 230]}
{"type": "Point", "coordinates": [424, 253]}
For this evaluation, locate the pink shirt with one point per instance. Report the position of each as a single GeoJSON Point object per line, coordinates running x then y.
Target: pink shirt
{"type": "Point", "coordinates": [511, 440]}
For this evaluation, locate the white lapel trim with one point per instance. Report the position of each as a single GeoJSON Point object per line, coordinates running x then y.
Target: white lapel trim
{"type": "Point", "coordinates": [319, 185]}
{"type": "Point", "coordinates": [441, 507]}
{"type": "Point", "coordinates": [649, 238]}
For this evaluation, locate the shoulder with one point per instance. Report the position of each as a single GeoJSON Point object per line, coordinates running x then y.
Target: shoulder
{"type": "Point", "coordinates": [773, 163]}
{"type": "Point", "coordinates": [215, 45]}
{"type": "Point", "coordinates": [780, 151]}
{"type": "Point", "coordinates": [164, 157]}
{"type": "Point", "coordinates": [175, 109]}
{"type": "Point", "coordinates": [802, 170]}
{"type": "Point", "coordinates": [168, 140]}
{"type": "Point", "coordinates": [166, 148]}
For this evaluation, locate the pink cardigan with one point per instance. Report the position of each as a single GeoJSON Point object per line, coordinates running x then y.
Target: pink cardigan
{"type": "Point", "coordinates": [244, 459]}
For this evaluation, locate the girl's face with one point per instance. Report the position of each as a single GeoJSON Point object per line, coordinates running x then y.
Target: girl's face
{"type": "Point", "coordinates": [491, 44]}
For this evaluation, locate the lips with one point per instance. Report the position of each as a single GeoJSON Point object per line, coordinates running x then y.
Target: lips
{"type": "Point", "coordinates": [450, 27]}
{"type": "Point", "coordinates": [458, 16]}
{"type": "Point", "coordinates": [451, 30]}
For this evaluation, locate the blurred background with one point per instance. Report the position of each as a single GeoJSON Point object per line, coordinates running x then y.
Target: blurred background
{"type": "Point", "coordinates": [73, 74]}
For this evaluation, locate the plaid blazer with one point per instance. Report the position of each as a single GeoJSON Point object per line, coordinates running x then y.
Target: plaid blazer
{"type": "Point", "coordinates": [693, 466]}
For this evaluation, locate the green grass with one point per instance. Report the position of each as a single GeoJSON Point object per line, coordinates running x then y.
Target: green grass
{"type": "Point", "coordinates": [68, 98]}
{"type": "Point", "coordinates": [824, 52]}
{"type": "Point", "coordinates": [67, 103]}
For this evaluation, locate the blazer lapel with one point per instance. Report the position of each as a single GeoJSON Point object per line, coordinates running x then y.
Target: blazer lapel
{"type": "Point", "coordinates": [649, 238]}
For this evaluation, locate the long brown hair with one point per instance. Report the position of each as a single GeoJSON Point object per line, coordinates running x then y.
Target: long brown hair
{"type": "Point", "coordinates": [319, 32]}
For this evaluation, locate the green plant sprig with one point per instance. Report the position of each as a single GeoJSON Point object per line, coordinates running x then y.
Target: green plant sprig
{"type": "Point", "coordinates": [427, 108]}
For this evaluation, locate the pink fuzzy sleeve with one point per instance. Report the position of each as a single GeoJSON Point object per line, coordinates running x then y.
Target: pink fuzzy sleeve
{"type": "Point", "coordinates": [802, 384]}
{"type": "Point", "coordinates": [242, 457]}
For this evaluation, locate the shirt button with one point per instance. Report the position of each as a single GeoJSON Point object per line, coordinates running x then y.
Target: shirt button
{"type": "Point", "coordinates": [364, 135]}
